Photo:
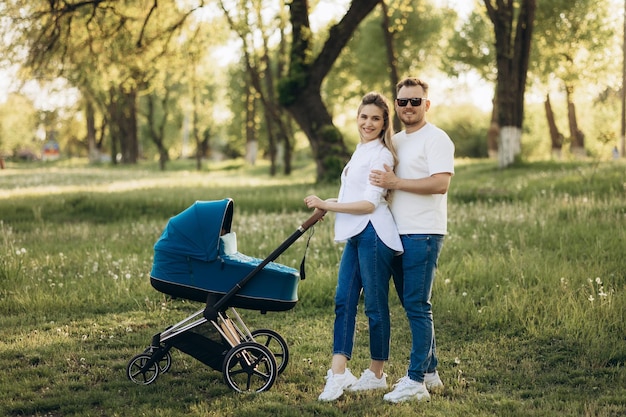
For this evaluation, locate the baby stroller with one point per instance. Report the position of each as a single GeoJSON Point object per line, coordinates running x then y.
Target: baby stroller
{"type": "Point", "coordinates": [196, 258]}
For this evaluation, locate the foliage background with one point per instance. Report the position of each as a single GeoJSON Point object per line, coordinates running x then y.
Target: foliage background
{"type": "Point", "coordinates": [452, 48]}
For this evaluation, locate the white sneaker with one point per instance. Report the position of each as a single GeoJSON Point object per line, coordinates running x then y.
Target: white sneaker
{"type": "Point", "coordinates": [433, 382]}
{"type": "Point", "coordinates": [368, 381]}
{"type": "Point", "coordinates": [335, 384]}
{"type": "Point", "coordinates": [406, 389]}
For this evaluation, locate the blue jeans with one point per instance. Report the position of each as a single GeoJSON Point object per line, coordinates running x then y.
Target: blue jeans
{"type": "Point", "coordinates": [365, 265]}
{"type": "Point", "coordinates": [413, 276]}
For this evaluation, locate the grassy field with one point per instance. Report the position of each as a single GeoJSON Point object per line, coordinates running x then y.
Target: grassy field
{"type": "Point", "coordinates": [529, 301]}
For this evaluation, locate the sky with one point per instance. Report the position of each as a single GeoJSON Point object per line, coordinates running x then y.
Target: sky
{"type": "Point", "coordinates": [5, 84]}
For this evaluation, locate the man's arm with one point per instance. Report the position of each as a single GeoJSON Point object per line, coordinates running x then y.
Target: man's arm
{"type": "Point", "coordinates": [435, 184]}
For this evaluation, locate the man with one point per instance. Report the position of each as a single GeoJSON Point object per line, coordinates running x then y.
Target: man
{"type": "Point", "coordinates": [419, 206]}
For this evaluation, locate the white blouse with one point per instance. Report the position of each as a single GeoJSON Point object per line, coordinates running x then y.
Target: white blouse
{"type": "Point", "coordinates": [355, 186]}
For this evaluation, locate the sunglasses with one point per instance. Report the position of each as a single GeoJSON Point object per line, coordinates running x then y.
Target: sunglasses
{"type": "Point", "coordinates": [415, 102]}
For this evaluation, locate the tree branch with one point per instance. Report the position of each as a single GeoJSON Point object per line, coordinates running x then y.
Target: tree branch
{"type": "Point", "coordinates": [339, 35]}
{"type": "Point", "coordinates": [145, 22]}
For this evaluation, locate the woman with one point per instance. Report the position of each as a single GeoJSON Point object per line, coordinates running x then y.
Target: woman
{"type": "Point", "coordinates": [365, 223]}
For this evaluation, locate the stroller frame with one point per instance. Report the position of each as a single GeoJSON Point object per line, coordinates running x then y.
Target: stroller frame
{"type": "Point", "coordinates": [250, 360]}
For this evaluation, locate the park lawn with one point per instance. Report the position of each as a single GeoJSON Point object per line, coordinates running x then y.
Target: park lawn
{"type": "Point", "coordinates": [529, 300]}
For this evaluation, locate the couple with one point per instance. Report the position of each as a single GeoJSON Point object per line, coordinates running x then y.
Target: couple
{"type": "Point", "coordinates": [425, 165]}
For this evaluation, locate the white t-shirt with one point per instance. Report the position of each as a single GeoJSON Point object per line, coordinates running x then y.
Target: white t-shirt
{"type": "Point", "coordinates": [421, 154]}
{"type": "Point", "coordinates": [355, 186]}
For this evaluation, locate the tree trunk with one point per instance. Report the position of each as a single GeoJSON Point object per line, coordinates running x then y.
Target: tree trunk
{"type": "Point", "coordinates": [556, 137]}
{"type": "Point", "coordinates": [114, 133]}
{"type": "Point", "coordinates": [577, 137]}
{"type": "Point", "coordinates": [195, 128]}
{"type": "Point", "coordinates": [251, 139]}
{"type": "Point", "coordinates": [392, 62]}
{"type": "Point", "coordinates": [494, 131]}
{"type": "Point", "coordinates": [90, 119]}
{"type": "Point", "coordinates": [156, 130]}
{"type": "Point", "coordinates": [288, 147]}
{"type": "Point", "coordinates": [128, 125]}
{"type": "Point", "coordinates": [512, 57]}
{"type": "Point", "coordinates": [509, 145]}
{"type": "Point", "coordinates": [123, 129]}
{"type": "Point", "coordinates": [272, 145]}
{"type": "Point", "coordinates": [327, 144]}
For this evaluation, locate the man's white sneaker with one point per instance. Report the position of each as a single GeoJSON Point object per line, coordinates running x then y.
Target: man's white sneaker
{"type": "Point", "coordinates": [406, 389]}
{"type": "Point", "coordinates": [335, 384]}
{"type": "Point", "coordinates": [368, 381]}
{"type": "Point", "coordinates": [433, 382]}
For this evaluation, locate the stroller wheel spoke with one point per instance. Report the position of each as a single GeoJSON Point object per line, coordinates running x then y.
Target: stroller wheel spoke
{"type": "Point", "coordinates": [165, 363]}
{"type": "Point", "coordinates": [141, 371]}
{"type": "Point", "coordinates": [276, 344]}
{"type": "Point", "coordinates": [250, 367]}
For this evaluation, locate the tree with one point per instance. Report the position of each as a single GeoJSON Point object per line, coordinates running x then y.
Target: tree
{"type": "Point", "coordinates": [556, 137]}
{"type": "Point", "coordinates": [567, 33]}
{"type": "Point", "coordinates": [473, 49]}
{"type": "Point", "coordinates": [513, 25]}
{"type": "Point", "coordinates": [18, 122]}
{"type": "Point", "coordinates": [156, 114]}
{"type": "Point", "coordinates": [300, 89]}
{"type": "Point", "coordinates": [105, 48]}
{"type": "Point", "coordinates": [395, 39]}
{"type": "Point", "coordinates": [263, 65]}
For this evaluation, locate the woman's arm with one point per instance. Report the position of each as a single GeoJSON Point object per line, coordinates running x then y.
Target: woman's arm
{"type": "Point", "coordinates": [356, 207]}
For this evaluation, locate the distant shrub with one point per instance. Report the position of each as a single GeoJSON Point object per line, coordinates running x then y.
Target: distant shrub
{"type": "Point", "coordinates": [467, 126]}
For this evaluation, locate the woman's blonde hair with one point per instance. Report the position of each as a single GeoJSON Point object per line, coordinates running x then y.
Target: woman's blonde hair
{"type": "Point", "coordinates": [382, 103]}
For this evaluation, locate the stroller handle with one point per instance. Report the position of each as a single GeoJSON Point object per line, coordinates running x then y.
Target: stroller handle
{"type": "Point", "coordinates": [210, 311]}
{"type": "Point", "coordinates": [317, 215]}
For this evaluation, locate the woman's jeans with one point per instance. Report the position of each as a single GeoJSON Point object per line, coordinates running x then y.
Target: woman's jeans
{"type": "Point", "coordinates": [413, 276]}
{"type": "Point", "coordinates": [365, 265]}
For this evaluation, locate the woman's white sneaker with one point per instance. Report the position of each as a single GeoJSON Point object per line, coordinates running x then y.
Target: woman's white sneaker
{"type": "Point", "coordinates": [368, 381]}
{"type": "Point", "coordinates": [433, 382]}
{"type": "Point", "coordinates": [336, 384]}
{"type": "Point", "coordinates": [407, 390]}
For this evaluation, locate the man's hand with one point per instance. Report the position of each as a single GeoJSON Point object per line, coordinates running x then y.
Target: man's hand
{"type": "Point", "coordinates": [384, 179]}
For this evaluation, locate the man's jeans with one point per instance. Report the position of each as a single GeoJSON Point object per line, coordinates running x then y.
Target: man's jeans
{"type": "Point", "coordinates": [413, 276]}
{"type": "Point", "coordinates": [365, 264]}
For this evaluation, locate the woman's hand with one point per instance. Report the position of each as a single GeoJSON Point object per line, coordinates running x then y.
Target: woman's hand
{"type": "Point", "coordinates": [313, 201]}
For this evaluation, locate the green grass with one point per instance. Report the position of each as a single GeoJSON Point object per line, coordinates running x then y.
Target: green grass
{"type": "Point", "coordinates": [529, 300]}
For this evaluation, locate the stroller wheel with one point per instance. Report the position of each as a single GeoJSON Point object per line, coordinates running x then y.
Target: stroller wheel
{"type": "Point", "coordinates": [276, 344]}
{"type": "Point", "coordinates": [250, 367]}
{"type": "Point", "coordinates": [139, 373]}
{"type": "Point", "coordinates": [165, 363]}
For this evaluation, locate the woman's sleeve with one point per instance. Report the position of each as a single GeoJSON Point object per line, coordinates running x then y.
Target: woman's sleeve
{"type": "Point", "coordinates": [375, 194]}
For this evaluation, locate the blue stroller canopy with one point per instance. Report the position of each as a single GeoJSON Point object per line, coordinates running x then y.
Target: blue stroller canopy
{"type": "Point", "coordinates": [195, 232]}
